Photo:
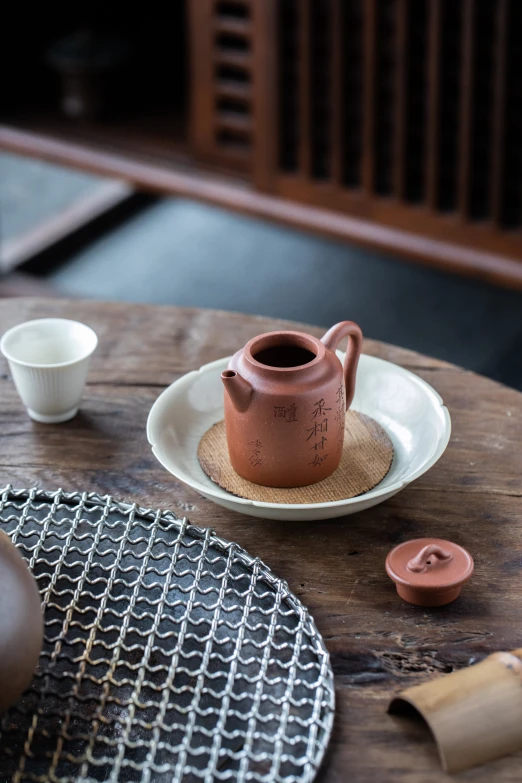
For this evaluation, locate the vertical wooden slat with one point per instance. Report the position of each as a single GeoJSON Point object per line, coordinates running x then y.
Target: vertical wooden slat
{"type": "Point", "coordinates": [267, 134]}
{"type": "Point", "coordinates": [466, 106]}
{"type": "Point", "coordinates": [499, 110]}
{"type": "Point", "coordinates": [336, 98]}
{"type": "Point", "coordinates": [205, 57]}
{"type": "Point", "coordinates": [401, 75]}
{"type": "Point", "coordinates": [368, 96]}
{"type": "Point", "coordinates": [433, 118]}
{"type": "Point", "coordinates": [200, 24]}
{"type": "Point", "coordinates": [304, 89]}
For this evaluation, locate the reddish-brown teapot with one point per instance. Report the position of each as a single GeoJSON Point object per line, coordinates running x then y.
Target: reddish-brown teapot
{"type": "Point", "coordinates": [286, 394]}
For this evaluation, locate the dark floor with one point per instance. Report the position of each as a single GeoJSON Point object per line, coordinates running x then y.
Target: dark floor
{"type": "Point", "coordinates": [180, 252]}
{"type": "Point", "coordinates": [32, 191]}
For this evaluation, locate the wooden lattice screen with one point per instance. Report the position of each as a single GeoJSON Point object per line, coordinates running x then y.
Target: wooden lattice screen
{"type": "Point", "coordinates": [407, 113]}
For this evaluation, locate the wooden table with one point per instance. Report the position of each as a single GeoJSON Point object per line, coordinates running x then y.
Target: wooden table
{"type": "Point", "coordinates": [378, 644]}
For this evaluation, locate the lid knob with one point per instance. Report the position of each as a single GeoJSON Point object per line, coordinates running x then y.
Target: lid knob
{"type": "Point", "coordinates": [430, 555]}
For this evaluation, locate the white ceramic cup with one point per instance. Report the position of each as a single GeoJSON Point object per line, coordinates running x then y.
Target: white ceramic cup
{"type": "Point", "coordinates": [49, 359]}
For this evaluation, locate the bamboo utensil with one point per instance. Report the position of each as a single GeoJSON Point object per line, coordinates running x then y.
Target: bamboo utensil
{"type": "Point", "coordinates": [475, 714]}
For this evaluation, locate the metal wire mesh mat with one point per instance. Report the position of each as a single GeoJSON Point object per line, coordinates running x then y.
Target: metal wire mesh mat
{"type": "Point", "coordinates": [169, 653]}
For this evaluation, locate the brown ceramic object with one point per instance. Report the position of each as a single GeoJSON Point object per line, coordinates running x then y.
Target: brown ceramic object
{"type": "Point", "coordinates": [286, 395]}
{"type": "Point", "coordinates": [429, 571]}
{"type": "Point", "coordinates": [21, 624]}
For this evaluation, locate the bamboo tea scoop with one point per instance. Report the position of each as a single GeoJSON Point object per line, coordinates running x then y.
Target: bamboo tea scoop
{"type": "Point", "coordinates": [475, 714]}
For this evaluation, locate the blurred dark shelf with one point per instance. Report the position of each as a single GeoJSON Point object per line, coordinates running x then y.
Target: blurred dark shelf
{"type": "Point", "coordinates": [183, 177]}
{"type": "Point", "coordinates": [157, 138]}
{"type": "Point", "coordinates": [160, 137]}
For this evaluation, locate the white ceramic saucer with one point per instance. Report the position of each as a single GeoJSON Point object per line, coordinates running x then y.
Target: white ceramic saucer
{"type": "Point", "coordinates": [409, 409]}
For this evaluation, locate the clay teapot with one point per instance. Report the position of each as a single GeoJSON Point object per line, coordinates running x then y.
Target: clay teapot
{"type": "Point", "coordinates": [21, 624]}
{"type": "Point", "coordinates": [286, 394]}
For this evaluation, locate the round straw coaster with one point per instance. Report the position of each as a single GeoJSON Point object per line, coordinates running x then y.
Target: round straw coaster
{"type": "Point", "coordinates": [367, 457]}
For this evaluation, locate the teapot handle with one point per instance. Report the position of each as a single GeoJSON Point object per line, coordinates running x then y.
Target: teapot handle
{"type": "Point", "coordinates": [332, 339]}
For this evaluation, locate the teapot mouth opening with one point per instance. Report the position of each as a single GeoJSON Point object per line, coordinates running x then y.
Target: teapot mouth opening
{"type": "Point", "coordinates": [285, 351]}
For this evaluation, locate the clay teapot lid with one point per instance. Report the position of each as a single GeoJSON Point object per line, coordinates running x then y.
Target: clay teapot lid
{"type": "Point", "coordinates": [429, 571]}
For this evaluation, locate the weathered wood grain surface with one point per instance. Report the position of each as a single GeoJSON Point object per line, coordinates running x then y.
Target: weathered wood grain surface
{"type": "Point", "coordinates": [378, 644]}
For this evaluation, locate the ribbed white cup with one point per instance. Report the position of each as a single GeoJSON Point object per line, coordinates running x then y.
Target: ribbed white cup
{"type": "Point", "coordinates": [49, 360]}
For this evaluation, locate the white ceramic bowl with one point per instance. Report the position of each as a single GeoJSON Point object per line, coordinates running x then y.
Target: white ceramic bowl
{"type": "Point", "coordinates": [409, 409]}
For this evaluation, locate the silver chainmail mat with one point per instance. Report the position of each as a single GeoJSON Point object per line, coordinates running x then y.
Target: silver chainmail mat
{"type": "Point", "coordinates": [170, 654]}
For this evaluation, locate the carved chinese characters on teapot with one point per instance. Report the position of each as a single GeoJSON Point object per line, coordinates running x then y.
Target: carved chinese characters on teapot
{"type": "Point", "coordinates": [286, 394]}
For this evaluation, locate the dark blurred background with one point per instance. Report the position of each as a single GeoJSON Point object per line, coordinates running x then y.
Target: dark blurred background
{"type": "Point", "coordinates": [308, 159]}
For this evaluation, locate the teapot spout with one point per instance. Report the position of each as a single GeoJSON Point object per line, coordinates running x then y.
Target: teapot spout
{"type": "Point", "coordinates": [239, 390]}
